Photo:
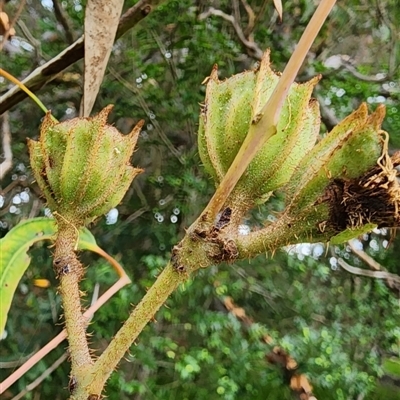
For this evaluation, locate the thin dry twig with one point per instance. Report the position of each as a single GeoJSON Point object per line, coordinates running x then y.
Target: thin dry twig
{"type": "Point", "coordinates": [328, 116]}
{"type": "Point", "coordinates": [42, 377]}
{"type": "Point", "coordinates": [6, 144]}
{"type": "Point", "coordinates": [252, 18]}
{"type": "Point", "coordinates": [18, 362]}
{"type": "Point", "coordinates": [249, 44]}
{"type": "Point", "coordinates": [392, 279]}
{"type": "Point", "coordinates": [59, 361]}
{"type": "Point", "coordinates": [261, 11]}
{"type": "Point", "coordinates": [365, 78]}
{"type": "Point", "coordinates": [62, 19]}
{"type": "Point", "coordinates": [148, 112]}
{"type": "Point", "coordinates": [124, 280]}
{"type": "Point", "coordinates": [33, 41]}
{"type": "Point", "coordinates": [362, 255]}
{"type": "Point", "coordinates": [395, 36]}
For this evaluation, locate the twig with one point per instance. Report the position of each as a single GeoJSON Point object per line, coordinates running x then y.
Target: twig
{"type": "Point", "coordinates": [236, 11]}
{"type": "Point", "coordinates": [146, 109]}
{"type": "Point", "coordinates": [42, 377]}
{"type": "Point", "coordinates": [261, 11]}
{"type": "Point", "coordinates": [373, 79]}
{"type": "Point", "coordinates": [6, 144]}
{"type": "Point", "coordinates": [11, 26]}
{"type": "Point", "coordinates": [393, 284]}
{"type": "Point", "coordinates": [170, 61]}
{"type": "Point", "coordinates": [365, 257]}
{"type": "Point", "coordinates": [395, 279]}
{"type": "Point", "coordinates": [395, 36]}
{"type": "Point", "coordinates": [35, 208]}
{"type": "Point", "coordinates": [251, 45]}
{"type": "Point", "coordinates": [124, 280]}
{"type": "Point", "coordinates": [126, 222]}
{"type": "Point", "coordinates": [62, 19]}
{"type": "Point", "coordinates": [34, 42]}
{"type": "Point", "coordinates": [16, 363]}
{"type": "Point", "coordinates": [252, 18]}
{"type": "Point", "coordinates": [47, 72]}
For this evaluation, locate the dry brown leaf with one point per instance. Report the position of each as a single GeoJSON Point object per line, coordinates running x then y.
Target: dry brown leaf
{"type": "Point", "coordinates": [239, 312]}
{"type": "Point", "coordinates": [229, 304]}
{"type": "Point", "coordinates": [279, 8]}
{"type": "Point", "coordinates": [268, 339]}
{"type": "Point", "coordinates": [5, 25]}
{"type": "Point", "coordinates": [4, 22]}
{"type": "Point", "coordinates": [291, 363]}
{"type": "Point", "coordinates": [101, 23]}
{"type": "Point", "coordinates": [295, 383]}
{"type": "Point", "coordinates": [300, 383]}
{"type": "Point", "coordinates": [305, 384]}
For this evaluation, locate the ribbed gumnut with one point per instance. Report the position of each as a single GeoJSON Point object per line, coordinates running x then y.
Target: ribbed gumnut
{"type": "Point", "coordinates": [82, 165]}
{"type": "Point", "coordinates": [232, 105]}
{"type": "Point", "coordinates": [347, 184]}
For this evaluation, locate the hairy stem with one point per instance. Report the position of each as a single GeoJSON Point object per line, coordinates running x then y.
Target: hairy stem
{"type": "Point", "coordinates": [69, 270]}
{"type": "Point", "coordinates": [265, 240]}
{"type": "Point", "coordinates": [283, 232]}
{"type": "Point", "coordinates": [145, 311]}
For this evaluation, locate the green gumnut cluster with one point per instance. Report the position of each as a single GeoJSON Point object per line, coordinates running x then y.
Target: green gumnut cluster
{"type": "Point", "coordinates": [232, 105]}
{"type": "Point", "coordinates": [82, 165]}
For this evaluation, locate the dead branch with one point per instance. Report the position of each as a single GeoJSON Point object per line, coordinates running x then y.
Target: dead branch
{"type": "Point", "coordinates": [393, 280]}
{"type": "Point", "coordinates": [48, 71]}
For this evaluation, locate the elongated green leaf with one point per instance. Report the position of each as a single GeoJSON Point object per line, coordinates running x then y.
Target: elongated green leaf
{"type": "Point", "coordinates": [14, 258]}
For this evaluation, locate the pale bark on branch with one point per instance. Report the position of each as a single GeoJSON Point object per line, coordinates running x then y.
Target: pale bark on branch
{"type": "Point", "coordinates": [48, 71]}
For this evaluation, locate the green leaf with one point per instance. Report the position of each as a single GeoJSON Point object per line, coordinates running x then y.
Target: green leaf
{"type": "Point", "coordinates": [392, 366]}
{"type": "Point", "coordinates": [14, 258]}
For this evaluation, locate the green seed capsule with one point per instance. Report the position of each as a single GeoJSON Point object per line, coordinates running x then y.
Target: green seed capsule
{"type": "Point", "coordinates": [82, 165]}
{"type": "Point", "coordinates": [229, 109]}
{"type": "Point", "coordinates": [347, 184]}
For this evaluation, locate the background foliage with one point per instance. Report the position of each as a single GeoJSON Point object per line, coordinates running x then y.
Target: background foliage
{"type": "Point", "coordinates": [339, 327]}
